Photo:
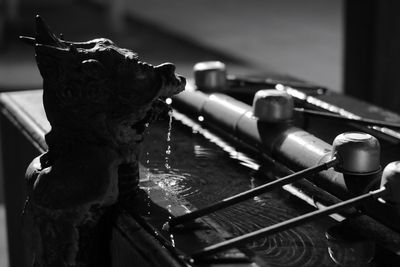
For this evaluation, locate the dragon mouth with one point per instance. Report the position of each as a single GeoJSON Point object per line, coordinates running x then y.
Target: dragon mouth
{"type": "Point", "coordinates": [172, 83]}
{"type": "Point", "coordinates": [158, 111]}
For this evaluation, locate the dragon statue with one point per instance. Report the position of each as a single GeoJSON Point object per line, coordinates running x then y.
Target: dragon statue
{"type": "Point", "coordinates": [99, 99]}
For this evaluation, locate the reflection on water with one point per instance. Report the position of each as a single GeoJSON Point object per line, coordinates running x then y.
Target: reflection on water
{"type": "Point", "coordinates": [204, 169]}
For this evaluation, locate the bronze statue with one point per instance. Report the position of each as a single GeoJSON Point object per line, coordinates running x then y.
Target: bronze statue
{"type": "Point", "coordinates": [99, 99]}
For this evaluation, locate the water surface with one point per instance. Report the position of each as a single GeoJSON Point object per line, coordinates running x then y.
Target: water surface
{"type": "Point", "coordinates": [198, 167]}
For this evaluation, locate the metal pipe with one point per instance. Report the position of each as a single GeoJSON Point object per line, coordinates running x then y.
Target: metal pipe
{"type": "Point", "coordinates": [284, 142]}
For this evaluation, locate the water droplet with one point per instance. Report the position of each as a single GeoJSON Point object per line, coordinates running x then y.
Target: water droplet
{"type": "Point", "coordinates": [171, 236]}
{"type": "Point", "coordinates": [165, 226]}
{"type": "Point", "coordinates": [148, 166]}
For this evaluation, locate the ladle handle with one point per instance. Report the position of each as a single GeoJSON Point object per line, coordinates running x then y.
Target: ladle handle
{"type": "Point", "coordinates": [252, 193]}
{"type": "Point", "coordinates": [332, 116]}
{"type": "Point", "coordinates": [282, 226]}
{"type": "Point", "coordinates": [249, 81]}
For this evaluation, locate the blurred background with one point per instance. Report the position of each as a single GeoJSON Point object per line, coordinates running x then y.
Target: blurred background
{"type": "Point", "coordinates": [300, 38]}
{"type": "Point", "coordinates": [348, 46]}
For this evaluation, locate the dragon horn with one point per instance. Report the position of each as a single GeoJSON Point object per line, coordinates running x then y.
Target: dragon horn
{"type": "Point", "coordinates": [45, 36]}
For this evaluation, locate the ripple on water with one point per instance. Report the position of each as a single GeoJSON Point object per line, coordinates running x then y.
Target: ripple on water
{"type": "Point", "coordinates": [204, 172]}
{"type": "Point", "coordinates": [294, 247]}
{"type": "Point", "coordinates": [174, 182]}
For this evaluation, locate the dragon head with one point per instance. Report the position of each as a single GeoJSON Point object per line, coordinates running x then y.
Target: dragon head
{"type": "Point", "coordinates": [96, 82]}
